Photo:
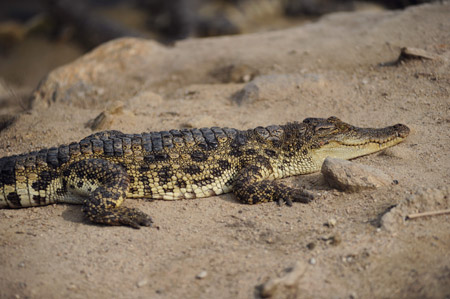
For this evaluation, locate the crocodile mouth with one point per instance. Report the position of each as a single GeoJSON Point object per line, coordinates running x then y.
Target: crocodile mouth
{"type": "Point", "coordinates": [380, 142]}
{"type": "Point", "coordinates": [361, 141]}
{"type": "Point", "coordinates": [383, 137]}
{"type": "Point", "coordinates": [359, 148]}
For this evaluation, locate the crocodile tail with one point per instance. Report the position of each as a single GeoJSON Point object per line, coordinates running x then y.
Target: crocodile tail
{"type": "Point", "coordinates": [7, 181]}
{"type": "Point", "coordinates": [31, 179]}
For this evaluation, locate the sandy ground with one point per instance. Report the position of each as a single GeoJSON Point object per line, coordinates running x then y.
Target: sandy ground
{"type": "Point", "coordinates": [326, 68]}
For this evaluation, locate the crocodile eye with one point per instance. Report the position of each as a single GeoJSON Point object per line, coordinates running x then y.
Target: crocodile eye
{"type": "Point", "coordinates": [333, 119]}
{"type": "Point", "coordinates": [324, 128]}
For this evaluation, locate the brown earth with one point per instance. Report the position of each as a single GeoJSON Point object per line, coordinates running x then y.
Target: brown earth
{"type": "Point", "coordinates": [342, 245]}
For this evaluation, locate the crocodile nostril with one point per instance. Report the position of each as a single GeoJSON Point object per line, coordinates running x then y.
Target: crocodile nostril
{"type": "Point", "coordinates": [401, 130]}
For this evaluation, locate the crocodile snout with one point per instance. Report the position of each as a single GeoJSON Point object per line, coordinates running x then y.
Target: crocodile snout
{"type": "Point", "coordinates": [402, 130]}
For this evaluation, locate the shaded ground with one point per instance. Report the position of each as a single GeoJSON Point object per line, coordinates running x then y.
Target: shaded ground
{"type": "Point", "coordinates": [321, 69]}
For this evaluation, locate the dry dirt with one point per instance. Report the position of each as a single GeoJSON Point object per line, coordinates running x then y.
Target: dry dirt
{"type": "Point", "coordinates": [343, 245]}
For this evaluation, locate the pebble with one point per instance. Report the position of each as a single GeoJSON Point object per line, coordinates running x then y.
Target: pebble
{"type": "Point", "coordinates": [290, 279]}
{"type": "Point", "coordinates": [332, 240]}
{"type": "Point", "coordinates": [71, 287]}
{"type": "Point", "coordinates": [312, 261]}
{"type": "Point", "coordinates": [142, 283]}
{"type": "Point", "coordinates": [201, 275]}
{"type": "Point", "coordinates": [331, 222]}
{"type": "Point", "coordinates": [311, 245]}
{"type": "Point", "coordinates": [248, 94]}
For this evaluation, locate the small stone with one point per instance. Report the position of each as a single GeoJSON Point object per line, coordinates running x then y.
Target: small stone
{"type": "Point", "coordinates": [248, 94]}
{"type": "Point", "coordinates": [6, 120]}
{"type": "Point", "coordinates": [415, 53]}
{"type": "Point", "coordinates": [331, 222]}
{"type": "Point", "coordinates": [312, 261]}
{"type": "Point", "coordinates": [423, 199]}
{"type": "Point", "coordinates": [21, 265]}
{"type": "Point", "coordinates": [289, 280]}
{"type": "Point", "coordinates": [269, 241]}
{"type": "Point", "coordinates": [142, 283]}
{"type": "Point", "coordinates": [311, 245]}
{"type": "Point", "coordinates": [240, 73]}
{"type": "Point", "coordinates": [201, 275]}
{"type": "Point", "coordinates": [332, 240]}
{"type": "Point", "coordinates": [71, 287]}
{"type": "Point", "coordinates": [349, 176]}
{"type": "Point", "coordinates": [247, 78]}
{"type": "Point", "coordinates": [101, 121]}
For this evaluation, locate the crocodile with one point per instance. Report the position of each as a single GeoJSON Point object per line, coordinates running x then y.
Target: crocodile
{"type": "Point", "coordinates": [103, 169]}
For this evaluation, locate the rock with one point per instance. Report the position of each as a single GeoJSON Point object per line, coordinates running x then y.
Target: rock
{"type": "Point", "coordinates": [248, 94]}
{"type": "Point", "coordinates": [11, 33]}
{"type": "Point", "coordinates": [348, 176]}
{"type": "Point", "coordinates": [201, 275]}
{"type": "Point", "coordinates": [289, 280]}
{"type": "Point", "coordinates": [113, 71]}
{"type": "Point", "coordinates": [423, 200]}
{"type": "Point", "coordinates": [416, 53]}
{"type": "Point", "coordinates": [311, 245]}
{"type": "Point", "coordinates": [119, 69]}
{"type": "Point", "coordinates": [105, 119]}
{"type": "Point", "coordinates": [332, 240]}
{"type": "Point", "coordinates": [142, 283]}
{"type": "Point", "coordinates": [269, 87]}
{"type": "Point", "coordinates": [331, 222]}
{"type": "Point", "coordinates": [409, 53]}
{"type": "Point", "coordinates": [6, 120]}
{"type": "Point", "coordinates": [239, 73]}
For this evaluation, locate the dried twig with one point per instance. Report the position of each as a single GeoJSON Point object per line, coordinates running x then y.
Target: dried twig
{"type": "Point", "coordinates": [425, 214]}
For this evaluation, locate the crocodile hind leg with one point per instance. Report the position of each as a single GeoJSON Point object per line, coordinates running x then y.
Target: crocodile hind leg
{"type": "Point", "coordinates": [104, 185]}
{"type": "Point", "coordinates": [251, 187]}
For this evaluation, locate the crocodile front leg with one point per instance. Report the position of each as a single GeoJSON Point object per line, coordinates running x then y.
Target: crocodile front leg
{"type": "Point", "coordinates": [251, 187]}
{"type": "Point", "coordinates": [104, 185]}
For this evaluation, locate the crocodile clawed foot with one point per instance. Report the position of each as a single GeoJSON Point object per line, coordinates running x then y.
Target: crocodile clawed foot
{"type": "Point", "coordinates": [133, 217]}
{"type": "Point", "coordinates": [301, 195]}
{"type": "Point", "coordinates": [118, 216]}
{"type": "Point", "coordinates": [284, 200]}
{"type": "Point", "coordinates": [290, 196]}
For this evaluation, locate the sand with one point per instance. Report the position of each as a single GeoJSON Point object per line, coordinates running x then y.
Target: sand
{"type": "Point", "coordinates": [342, 245]}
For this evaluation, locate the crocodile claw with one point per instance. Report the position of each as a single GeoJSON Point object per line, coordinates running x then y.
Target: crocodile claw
{"type": "Point", "coordinates": [134, 218]}
{"type": "Point", "coordinates": [301, 195]}
{"type": "Point", "coordinates": [285, 200]}
{"type": "Point", "coordinates": [295, 195]}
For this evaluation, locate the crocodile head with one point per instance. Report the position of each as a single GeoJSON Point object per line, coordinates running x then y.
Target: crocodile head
{"type": "Point", "coordinates": [335, 138]}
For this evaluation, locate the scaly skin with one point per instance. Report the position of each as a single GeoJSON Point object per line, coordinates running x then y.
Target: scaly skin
{"type": "Point", "coordinates": [103, 169]}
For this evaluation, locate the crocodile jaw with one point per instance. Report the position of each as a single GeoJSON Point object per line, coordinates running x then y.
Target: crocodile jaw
{"type": "Point", "coordinates": [351, 149]}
